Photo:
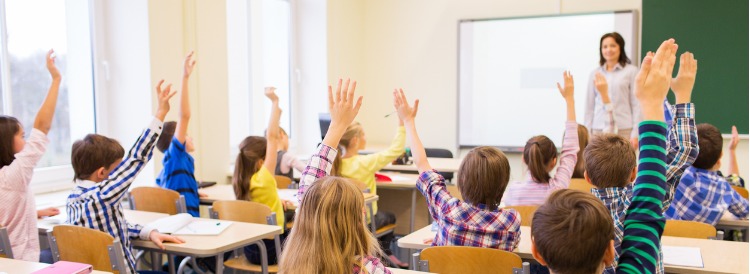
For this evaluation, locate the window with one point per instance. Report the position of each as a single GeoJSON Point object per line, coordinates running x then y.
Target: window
{"type": "Point", "coordinates": [259, 39]}
{"type": "Point", "coordinates": [30, 28]}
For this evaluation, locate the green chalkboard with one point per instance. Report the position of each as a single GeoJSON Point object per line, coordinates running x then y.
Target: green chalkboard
{"type": "Point", "coordinates": [716, 31]}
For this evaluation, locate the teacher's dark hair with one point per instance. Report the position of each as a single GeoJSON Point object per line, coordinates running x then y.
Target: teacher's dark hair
{"type": "Point", "coordinates": [620, 42]}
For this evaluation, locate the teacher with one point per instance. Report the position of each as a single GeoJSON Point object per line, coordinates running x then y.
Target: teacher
{"type": "Point", "coordinates": [611, 105]}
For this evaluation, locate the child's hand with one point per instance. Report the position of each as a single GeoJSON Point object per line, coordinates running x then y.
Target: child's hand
{"type": "Point", "coordinates": [652, 81]}
{"type": "Point", "coordinates": [163, 96]}
{"type": "Point", "coordinates": [601, 86]}
{"type": "Point", "coordinates": [189, 65]}
{"type": "Point", "coordinates": [47, 212]}
{"type": "Point", "coordinates": [568, 89]}
{"type": "Point", "coordinates": [682, 85]}
{"type": "Point", "coordinates": [201, 194]}
{"type": "Point", "coordinates": [405, 112]}
{"type": "Point", "coordinates": [287, 205]}
{"type": "Point", "coordinates": [735, 139]}
{"type": "Point", "coordinates": [427, 241]}
{"type": "Point", "coordinates": [341, 103]}
{"type": "Point", "coordinates": [53, 71]}
{"type": "Point", "coordinates": [159, 238]}
{"type": "Point", "coordinates": [271, 94]}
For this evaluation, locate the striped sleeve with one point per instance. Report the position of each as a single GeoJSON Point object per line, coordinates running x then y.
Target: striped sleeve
{"type": "Point", "coordinates": [319, 166]}
{"type": "Point", "coordinates": [644, 222]}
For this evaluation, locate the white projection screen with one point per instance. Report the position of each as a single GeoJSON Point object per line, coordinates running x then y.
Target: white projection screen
{"type": "Point", "coordinates": [509, 67]}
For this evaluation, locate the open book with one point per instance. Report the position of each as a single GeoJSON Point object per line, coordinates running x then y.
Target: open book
{"type": "Point", "coordinates": [185, 224]}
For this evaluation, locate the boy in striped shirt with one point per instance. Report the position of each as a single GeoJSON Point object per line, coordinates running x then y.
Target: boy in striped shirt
{"type": "Point", "coordinates": [102, 178]}
{"type": "Point", "coordinates": [573, 232]}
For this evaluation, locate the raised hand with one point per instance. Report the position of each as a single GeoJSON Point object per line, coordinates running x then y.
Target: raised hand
{"type": "Point", "coordinates": [568, 87]}
{"type": "Point", "coordinates": [51, 67]}
{"type": "Point", "coordinates": [163, 96]}
{"type": "Point", "coordinates": [652, 81]}
{"type": "Point", "coordinates": [189, 65]}
{"type": "Point", "coordinates": [601, 86]}
{"type": "Point", "coordinates": [735, 139]}
{"type": "Point", "coordinates": [343, 107]}
{"type": "Point", "coordinates": [405, 112]}
{"type": "Point", "coordinates": [159, 239]}
{"type": "Point", "coordinates": [271, 94]}
{"type": "Point", "coordinates": [682, 85]}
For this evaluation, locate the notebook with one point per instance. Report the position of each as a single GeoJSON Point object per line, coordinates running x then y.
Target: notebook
{"type": "Point", "coordinates": [185, 224]}
{"type": "Point", "coordinates": [63, 267]}
{"type": "Point", "coordinates": [682, 256]}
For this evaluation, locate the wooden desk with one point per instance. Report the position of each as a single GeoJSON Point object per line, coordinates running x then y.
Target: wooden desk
{"type": "Point", "coordinates": [226, 193]}
{"type": "Point", "coordinates": [718, 256]}
{"type": "Point", "coordinates": [12, 266]}
{"type": "Point", "coordinates": [439, 164]}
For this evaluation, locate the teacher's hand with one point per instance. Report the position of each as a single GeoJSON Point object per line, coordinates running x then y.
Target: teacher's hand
{"type": "Point", "coordinates": [601, 86]}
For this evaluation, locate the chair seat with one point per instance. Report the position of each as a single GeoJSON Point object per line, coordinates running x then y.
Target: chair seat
{"type": "Point", "coordinates": [243, 264]}
{"type": "Point", "coordinates": [385, 230]}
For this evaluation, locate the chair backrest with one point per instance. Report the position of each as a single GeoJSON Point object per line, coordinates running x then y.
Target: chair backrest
{"type": "Point", "coordinates": [282, 182]}
{"type": "Point", "coordinates": [741, 190]}
{"type": "Point", "coordinates": [88, 246]}
{"type": "Point", "coordinates": [580, 184]}
{"type": "Point", "coordinates": [156, 199]}
{"type": "Point", "coordinates": [526, 212]}
{"type": "Point", "coordinates": [689, 229]}
{"type": "Point", "coordinates": [243, 211]}
{"type": "Point", "coordinates": [6, 250]}
{"type": "Point", "coordinates": [467, 259]}
{"type": "Point", "coordinates": [441, 153]}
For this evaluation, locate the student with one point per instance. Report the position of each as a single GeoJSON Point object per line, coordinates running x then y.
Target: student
{"type": "Point", "coordinates": [330, 232]}
{"type": "Point", "coordinates": [572, 231]}
{"type": "Point", "coordinates": [103, 177]}
{"type": "Point", "coordinates": [253, 180]}
{"type": "Point", "coordinates": [287, 162]}
{"type": "Point", "coordinates": [482, 176]}
{"type": "Point", "coordinates": [362, 168]}
{"type": "Point", "coordinates": [583, 141]}
{"type": "Point", "coordinates": [612, 175]}
{"type": "Point", "coordinates": [18, 158]}
{"type": "Point", "coordinates": [179, 166]}
{"type": "Point", "coordinates": [703, 195]}
{"type": "Point", "coordinates": [540, 155]}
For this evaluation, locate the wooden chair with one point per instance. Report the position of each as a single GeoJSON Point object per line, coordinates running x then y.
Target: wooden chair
{"type": "Point", "coordinates": [453, 189]}
{"type": "Point", "coordinates": [282, 182]}
{"type": "Point", "coordinates": [526, 212]}
{"type": "Point", "coordinates": [689, 229]}
{"type": "Point", "coordinates": [88, 246]}
{"type": "Point", "coordinates": [6, 250]}
{"type": "Point", "coordinates": [248, 212]}
{"type": "Point", "coordinates": [741, 190]}
{"type": "Point", "coordinates": [467, 259]}
{"type": "Point", "coordinates": [580, 184]}
{"type": "Point", "coordinates": [156, 199]}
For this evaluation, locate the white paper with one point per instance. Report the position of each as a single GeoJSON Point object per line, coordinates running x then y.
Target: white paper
{"type": "Point", "coordinates": [682, 256]}
{"type": "Point", "coordinates": [203, 227]}
{"type": "Point", "coordinates": [289, 195]}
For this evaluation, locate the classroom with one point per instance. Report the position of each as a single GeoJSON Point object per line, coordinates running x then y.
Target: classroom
{"type": "Point", "coordinates": [281, 136]}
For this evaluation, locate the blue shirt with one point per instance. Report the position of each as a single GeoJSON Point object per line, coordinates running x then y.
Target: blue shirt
{"type": "Point", "coordinates": [177, 175]}
{"type": "Point", "coordinates": [703, 196]}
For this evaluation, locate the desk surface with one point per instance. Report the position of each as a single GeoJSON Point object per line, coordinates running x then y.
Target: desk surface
{"type": "Point", "coordinates": [400, 180]}
{"type": "Point", "coordinates": [718, 256]}
{"type": "Point", "coordinates": [11, 266]}
{"type": "Point", "coordinates": [439, 164]}
{"type": "Point", "coordinates": [223, 192]}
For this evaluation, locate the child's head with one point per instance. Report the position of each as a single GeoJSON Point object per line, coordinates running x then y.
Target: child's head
{"type": "Point", "coordinates": [248, 162]}
{"type": "Point", "coordinates": [572, 232]}
{"type": "Point", "coordinates": [165, 138]}
{"type": "Point", "coordinates": [95, 156]}
{"type": "Point", "coordinates": [710, 144]}
{"type": "Point", "coordinates": [483, 175]}
{"type": "Point", "coordinates": [354, 137]}
{"type": "Point", "coordinates": [330, 230]}
{"type": "Point", "coordinates": [610, 161]}
{"type": "Point", "coordinates": [583, 140]}
{"type": "Point", "coordinates": [11, 139]}
{"type": "Point", "coordinates": [540, 155]}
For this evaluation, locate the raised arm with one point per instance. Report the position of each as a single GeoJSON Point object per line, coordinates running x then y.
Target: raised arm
{"type": "Point", "coordinates": [343, 107]}
{"type": "Point", "coordinates": [570, 149]}
{"type": "Point", "coordinates": [43, 120]}
{"type": "Point", "coordinates": [272, 132]}
{"type": "Point", "coordinates": [734, 168]}
{"type": "Point", "coordinates": [407, 114]}
{"type": "Point", "coordinates": [182, 123]}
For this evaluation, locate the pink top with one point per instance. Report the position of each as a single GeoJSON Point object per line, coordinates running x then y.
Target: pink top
{"type": "Point", "coordinates": [20, 219]}
{"type": "Point", "coordinates": [530, 192]}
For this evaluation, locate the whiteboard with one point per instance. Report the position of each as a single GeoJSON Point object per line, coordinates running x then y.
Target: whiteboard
{"type": "Point", "coordinates": [508, 70]}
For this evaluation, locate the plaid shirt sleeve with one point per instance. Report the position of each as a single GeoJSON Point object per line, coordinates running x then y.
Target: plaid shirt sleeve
{"type": "Point", "coordinates": [736, 204]}
{"type": "Point", "coordinates": [683, 148]}
{"type": "Point", "coordinates": [432, 185]}
{"type": "Point", "coordinates": [372, 265]}
{"type": "Point", "coordinates": [318, 167]}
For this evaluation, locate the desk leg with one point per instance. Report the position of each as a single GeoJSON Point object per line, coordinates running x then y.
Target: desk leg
{"type": "Point", "coordinates": [413, 209]}
{"type": "Point", "coordinates": [170, 261]}
{"type": "Point", "coordinates": [220, 263]}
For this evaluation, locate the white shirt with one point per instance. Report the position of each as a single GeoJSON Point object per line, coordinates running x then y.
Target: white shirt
{"type": "Point", "coordinates": [621, 84]}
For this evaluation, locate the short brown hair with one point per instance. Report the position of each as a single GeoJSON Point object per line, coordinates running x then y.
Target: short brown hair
{"type": "Point", "coordinates": [571, 231]}
{"type": "Point", "coordinates": [93, 152]}
{"type": "Point", "coordinates": [610, 159]}
{"type": "Point", "coordinates": [165, 138]}
{"type": "Point", "coordinates": [537, 154]}
{"type": "Point", "coordinates": [583, 141]}
{"type": "Point", "coordinates": [710, 144]}
{"type": "Point", "coordinates": [483, 175]}
{"type": "Point", "coordinates": [9, 127]}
